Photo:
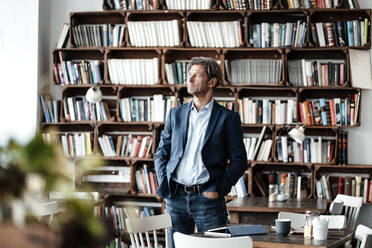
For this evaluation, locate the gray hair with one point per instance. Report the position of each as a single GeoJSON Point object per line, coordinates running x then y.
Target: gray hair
{"type": "Point", "coordinates": [211, 67]}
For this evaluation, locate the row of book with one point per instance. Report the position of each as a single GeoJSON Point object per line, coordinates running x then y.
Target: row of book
{"type": "Point", "coordinates": [228, 4]}
{"type": "Point", "coordinates": [291, 184]}
{"type": "Point", "coordinates": [316, 72]}
{"type": "Point", "coordinates": [239, 189]}
{"type": "Point", "coordinates": [120, 213]}
{"type": "Point", "coordinates": [320, 4]}
{"type": "Point", "coordinates": [312, 150]}
{"type": "Point", "coordinates": [78, 72]}
{"type": "Point", "coordinates": [155, 108]}
{"type": "Point", "coordinates": [77, 108]}
{"type": "Point", "coordinates": [98, 35]}
{"type": "Point", "coordinates": [188, 4]}
{"type": "Point", "coordinates": [328, 186]}
{"type": "Point", "coordinates": [254, 71]}
{"type": "Point", "coordinates": [267, 111]}
{"type": "Point", "coordinates": [330, 112]}
{"type": "Point", "coordinates": [75, 144]}
{"type": "Point", "coordinates": [146, 181]}
{"type": "Point", "coordinates": [348, 33]}
{"type": "Point", "coordinates": [247, 4]}
{"type": "Point", "coordinates": [126, 145]}
{"type": "Point", "coordinates": [133, 71]}
{"type": "Point", "coordinates": [214, 34]}
{"type": "Point", "coordinates": [265, 34]}
{"type": "Point", "coordinates": [131, 4]}
{"type": "Point", "coordinates": [50, 109]}
{"type": "Point", "coordinates": [154, 33]}
{"type": "Point", "coordinates": [177, 72]}
{"type": "Point", "coordinates": [264, 150]}
{"type": "Point", "coordinates": [342, 148]}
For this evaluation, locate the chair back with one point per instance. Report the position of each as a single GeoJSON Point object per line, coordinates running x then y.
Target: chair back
{"type": "Point", "coordinates": [48, 208]}
{"type": "Point", "coordinates": [138, 227]}
{"type": "Point", "coordinates": [298, 220]}
{"type": "Point", "coordinates": [335, 221]}
{"type": "Point", "coordinates": [352, 205]}
{"type": "Point", "coordinates": [186, 241]}
{"type": "Point", "coordinates": [364, 236]}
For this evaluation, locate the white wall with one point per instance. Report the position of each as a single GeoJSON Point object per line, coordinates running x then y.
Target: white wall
{"type": "Point", "coordinates": [360, 138]}
{"type": "Point", "coordinates": [18, 69]}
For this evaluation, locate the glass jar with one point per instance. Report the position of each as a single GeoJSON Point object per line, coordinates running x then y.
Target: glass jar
{"type": "Point", "coordinates": [308, 227]}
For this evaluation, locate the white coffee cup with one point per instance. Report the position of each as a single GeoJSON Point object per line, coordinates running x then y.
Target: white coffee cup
{"type": "Point", "coordinates": [320, 228]}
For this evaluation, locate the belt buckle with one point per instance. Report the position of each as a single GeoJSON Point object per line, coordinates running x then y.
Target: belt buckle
{"type": "Point", "coordinates": [189, 189]}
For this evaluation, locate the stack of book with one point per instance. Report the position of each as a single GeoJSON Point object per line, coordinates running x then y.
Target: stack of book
{"type": "Point", "coordinates": [330, 112]}
{"type": "Point", "coordinates": [146, 180]}
{"type": "Point", "coordinates": [317, 72]}
{"type": "Point", "coordinates": [320, 149]}
{"type": "Point", "coordinates": [349, 33]}
{"type": "Point", "coordinates": [133, 71]}
{"type": "Point", "coordinates": [214, 34]}
{"type": "Point", "coordinates": [78, 109]}
{"type": "Point", "coordinates": [328, 186]}
{"type": "Point", "coordinates": [98, 35]}
{"type": "Point", "coordinates": [78, 72]}
{"type": "Point", "coordinates": [266, 111]}
{"type": "Point", "coordinates": [188, 4]}
{"type": "Point", "coordinates": [155, 108]}
{"type": "Point", "coordinates": [50, 109]}
{"type": "Point", "coordinates": [277, 34]}
{"type": "Point", "coordinates": [154, 33]}
{"type": "Point", "coordinates": [254, 71]}
{"type": "Point", "coordinates": [73, 144]}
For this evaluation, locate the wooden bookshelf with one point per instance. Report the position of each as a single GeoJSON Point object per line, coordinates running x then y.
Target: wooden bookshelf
{"type": "Point", "coordinates": [184, 51]}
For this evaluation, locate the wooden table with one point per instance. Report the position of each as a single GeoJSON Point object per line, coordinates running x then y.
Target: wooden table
{"type": "Point", "coordinates": [335, 238]}
{"type": "Point", "coordinates": [258, 210]}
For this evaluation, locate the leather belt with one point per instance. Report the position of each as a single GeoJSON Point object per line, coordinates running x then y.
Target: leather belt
{"type": "Point", "coordinates": [193, 189]}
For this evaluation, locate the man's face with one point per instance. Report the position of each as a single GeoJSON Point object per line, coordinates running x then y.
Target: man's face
{"type": "Point", "coordinates": [198, 81]}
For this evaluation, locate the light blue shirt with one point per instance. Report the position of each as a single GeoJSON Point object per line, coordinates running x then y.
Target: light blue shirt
{"type": "Point", "coordinates": [191, 169]}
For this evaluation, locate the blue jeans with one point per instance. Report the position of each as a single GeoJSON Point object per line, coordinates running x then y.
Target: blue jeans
{"type": "Point", "coordinates": [190, 209]}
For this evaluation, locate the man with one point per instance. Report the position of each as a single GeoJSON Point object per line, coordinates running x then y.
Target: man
{"type": "Point", "coordinates": [191, 160]}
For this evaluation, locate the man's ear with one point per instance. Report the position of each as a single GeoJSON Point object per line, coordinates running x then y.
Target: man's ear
{"type": "Point", "coordinates": [212, 82]}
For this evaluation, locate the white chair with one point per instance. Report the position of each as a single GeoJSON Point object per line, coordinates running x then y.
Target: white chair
{"type": "Point", "coordinates": [186, 241]}
{"type": "Point", "coordinates": [364, 236]}
{"type": "Point", "coordinates": [298, 220]}
{"type": "Point", "coordinates": [138, 226]}
{"type": "Point", "coordinates": [49, 208]}
{"type": "Point", "coordinates": [351, 205]}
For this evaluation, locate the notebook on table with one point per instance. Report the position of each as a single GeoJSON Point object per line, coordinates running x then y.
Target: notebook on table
{"type": "Point", "coordinates": [237, 230]}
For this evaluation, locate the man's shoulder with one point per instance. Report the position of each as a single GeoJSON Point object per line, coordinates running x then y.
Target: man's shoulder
{"type": "Point", "coordinates": [181, 107]}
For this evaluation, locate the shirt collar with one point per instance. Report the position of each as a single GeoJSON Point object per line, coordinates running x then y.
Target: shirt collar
{"type": "Point", "coordinates": [208, 107]}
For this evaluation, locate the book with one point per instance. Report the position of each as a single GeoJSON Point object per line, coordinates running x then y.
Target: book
{"type": "Point", "coordinates": [63, 36]}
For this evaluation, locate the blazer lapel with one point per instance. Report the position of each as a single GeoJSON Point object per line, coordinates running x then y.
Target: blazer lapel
{"type": "Point", "coordinates": [185, 124]}
{"type": "Point", "coordinates": [212, 121]}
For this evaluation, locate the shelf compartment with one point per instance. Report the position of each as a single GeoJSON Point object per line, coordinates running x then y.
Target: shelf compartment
{"type": "Point", "coordinates": [63, 57]}
{"type": "Point", "coordinates": [148, 29]}
{"type": "Point", "coordinates": [143, 63]}
{"type": "Point", "coordinates": [90, 36]}
{"type": "Point", "coordinates": [277, 77]}
{"type": "Point", "coordinates": [175, 62]}
{"type": "Point", "coordinates": [343, 15]}
{"type": "Point", "coordinates": [324, 56]}
{"type": "Point", "coordinates": [207, 24]}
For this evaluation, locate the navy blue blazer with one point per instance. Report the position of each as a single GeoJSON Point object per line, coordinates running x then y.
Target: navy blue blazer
{"type": "Point", "coordinates": [223, 141]}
